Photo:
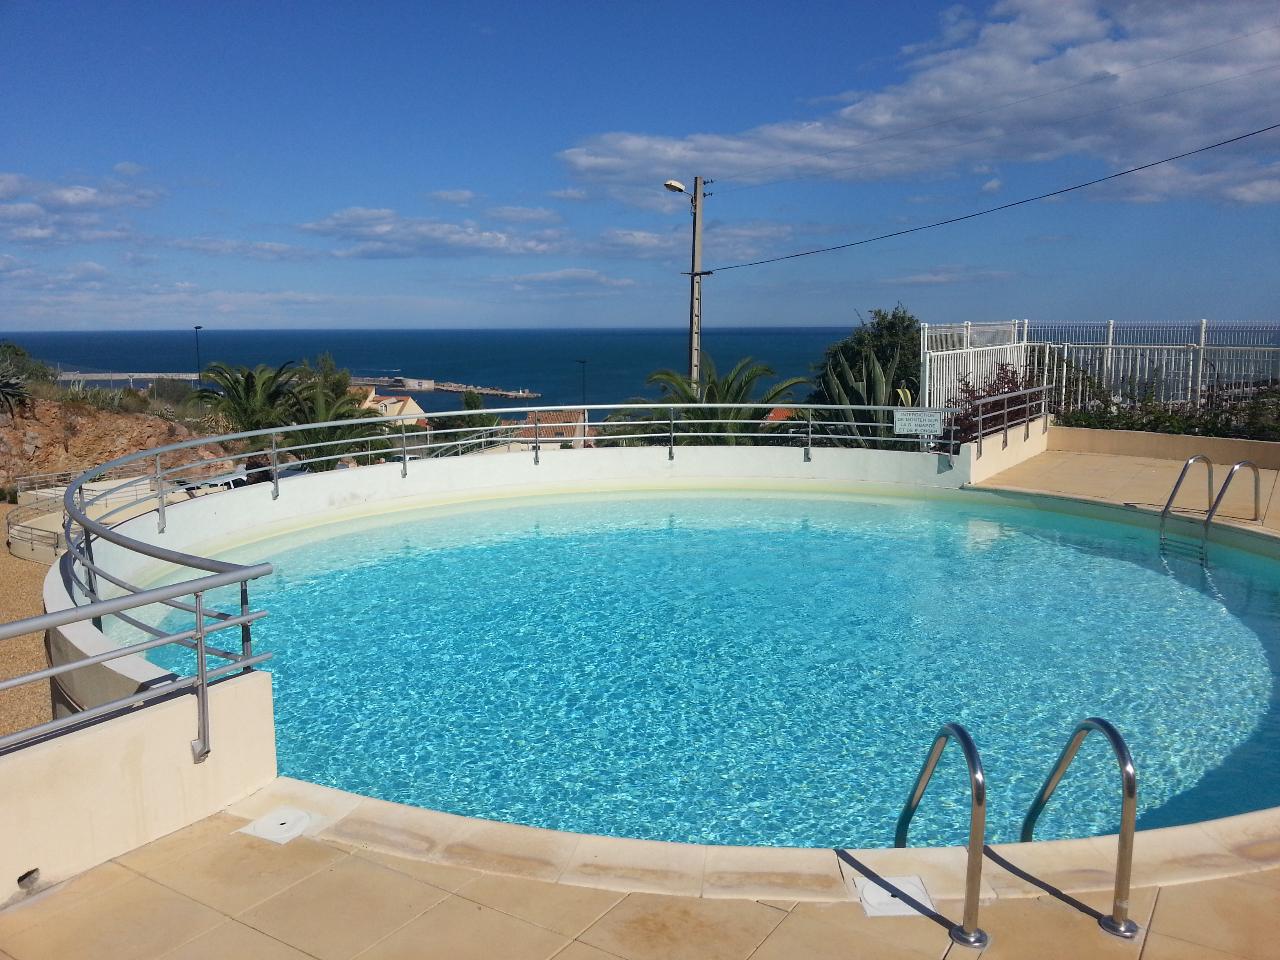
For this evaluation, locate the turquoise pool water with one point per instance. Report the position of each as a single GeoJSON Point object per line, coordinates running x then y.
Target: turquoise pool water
{"type": "Point", "coordinates": [750, 669]}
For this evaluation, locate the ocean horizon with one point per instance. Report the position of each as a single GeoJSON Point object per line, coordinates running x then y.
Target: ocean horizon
{"type": "Point", "coordinates": [546, 361]}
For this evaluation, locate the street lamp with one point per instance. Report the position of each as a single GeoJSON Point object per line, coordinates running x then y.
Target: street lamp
{"type": "Point", "coordinates": [199, 368]}
{"type": "Point", "coordinates": [696, 274]}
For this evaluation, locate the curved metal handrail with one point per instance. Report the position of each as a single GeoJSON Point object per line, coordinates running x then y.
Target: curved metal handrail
{"type": "Point", "coordinates": [967, 932]}
{"type": "Point", "coordinates": [1222, 492]}
{"type": "Point", "coordinates": [1173, 495]}
{"type": "Point", "coordinates": [1118, 922]}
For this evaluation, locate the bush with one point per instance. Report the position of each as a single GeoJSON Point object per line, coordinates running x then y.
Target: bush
{"type": "Point", "coordinates": [964, 425]}
{"type": "Point", "coordinates": [23, 364]}
{"type": "Point", "coordinates": [892, 336]}
{"type": "Point", "coordinates": [1257, 418]}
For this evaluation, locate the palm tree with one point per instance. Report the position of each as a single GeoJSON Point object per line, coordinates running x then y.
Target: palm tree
{"type": "Point", "coordinates": [256, 399]}
{"type": "Point", "coordinates": [318, 404]}
{"type": "Point", "coordinates": [738, 386]}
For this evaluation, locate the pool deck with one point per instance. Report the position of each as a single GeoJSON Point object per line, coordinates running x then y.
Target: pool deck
{"type": "Point", "coordinates": [378, 881]}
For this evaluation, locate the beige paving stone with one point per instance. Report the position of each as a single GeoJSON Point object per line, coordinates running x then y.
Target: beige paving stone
{"type": "Point", "coordinates": [1252, 836]}
{"type": "Point", "coordinates": [582, 951]}
{"type": "Point", "coordinates": [1086, 864]}
{"type": "Point", "coordinates": [234, 941]}
{"type": "Point", "coordinates": [510, 849]}
{"type": "Point", "coordinates": [181, 842]}
{"type": "Point", "coordinates": [1049, 930]}
{"type": "Point", "coordinates": [237, 871]}
{"type": "Point", "coordinates": [941, 868]}
{"type": "Point", "coordinates": [1227, 915]}
{"type": "Point", "coordinates": [397, 829]}
{"type": "Point", "coordinates": [786, 906]}
{"type": "Point", "coordinates": [343, 909]}
{"type": "Point", "coordinates": [458, 929]}
{"type": "Point", "coordinates": [1265, 878]}
{"type": "Point", "coordinates": [636, 865]}
{"type": "Point", "coordinates": [48, 903]}
{"type": "Point", "coordinates": [919, 934]}
{"type": "Point", "coordinates": [436, 874]}
{"type": "Point", "coordinates": [137, 920]}
{"type": "Point", "coordinates": [647, 926]}
{"type": "Point", "coordinates": [560, 907]}
{"type": "Point", "coordinates": [800, 937]}
{"type": "Point", "coordinates": [1160, 947]}
{"type": "Point", "coordinates": [758, 873]}
{"type": "Point", "coordinates": [1181, 854]}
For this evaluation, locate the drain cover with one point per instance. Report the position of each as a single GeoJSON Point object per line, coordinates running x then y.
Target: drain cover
{"type": "Point", "coordinates": [279, 825]}
{"type": "Point", "coordinates": [879, 902]}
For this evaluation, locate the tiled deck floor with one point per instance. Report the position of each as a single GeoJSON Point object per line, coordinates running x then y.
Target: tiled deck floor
{"type": "Point", "coordinates": [208, 893]}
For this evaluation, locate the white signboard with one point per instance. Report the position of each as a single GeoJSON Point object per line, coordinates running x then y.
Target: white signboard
{"type": "Point", "coordinates": [921, 423]}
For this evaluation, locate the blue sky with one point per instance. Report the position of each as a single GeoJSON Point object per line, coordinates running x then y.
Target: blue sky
{"type": "Point", "coordinates": [500, 164]}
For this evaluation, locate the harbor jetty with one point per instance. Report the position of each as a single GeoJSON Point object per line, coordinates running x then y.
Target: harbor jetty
{"type": "Point", "coordinates": [411, 384]}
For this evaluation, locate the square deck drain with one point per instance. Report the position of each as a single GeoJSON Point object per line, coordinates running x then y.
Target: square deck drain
{"type": "Point", "coordinates": [279, 825]}
{"type": "Point", "coordinates": [879, 902]}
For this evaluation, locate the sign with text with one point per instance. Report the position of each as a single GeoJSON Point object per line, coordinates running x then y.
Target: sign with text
{"type": "Point", "coordinates": [921, 423]}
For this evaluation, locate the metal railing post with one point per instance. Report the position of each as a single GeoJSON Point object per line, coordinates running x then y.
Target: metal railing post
{"type": "Point", "coordinates": [808, 440]}
{"type": "Point", "coordinates": [671, 433]}
{"type": "Point", "coordinates": [980, 417]}
{"type": "Point", "coordinates": [966, 933]}
{"type": "Point", "coordinates": [246, 634]}
{"type": "Point", "coordinates": [275, 470]}
{"type": "Point", "coordinates": [404, 452]}
{"type": "Point", "coordinates": [200, 745]}
{"type": "Point", "coordinates": [537, 440]}
{"type": "Point", "coordinates": [160, 495]}
{"type": "Point", "coordinates": [1118, 922]}
{"type": "Point", "coordinates": [1006, 423]}
{"type": "Point", "coordinates": [91, 578]}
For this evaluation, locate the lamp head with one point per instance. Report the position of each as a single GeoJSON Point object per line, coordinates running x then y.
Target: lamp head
{"type": "Point", "coordinates": [675, 186]}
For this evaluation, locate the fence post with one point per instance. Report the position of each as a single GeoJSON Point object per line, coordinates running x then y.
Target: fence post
{"type": "Point", "coordinates": [275, 470]}
{"type": "Point", "coordinates": [968, 334]}
{"type": "Point", "coordinates": [924, 400]}
{"type": "Point", "coordinates": [1204, 331]}
{"type": "Point", "coordinates": [1026, 329]}
{"type": "Point", "coordinates": [537, 440]}
{"type": "Point", "coordinates": [808, 441]}
{"type": "Point", "coordinates": [671, 433]}
{"type": "Point", "coordinates": [246, 629]}
{"type": "Point", "coordinates": [200, 745]}
{"type": "Point", "coordinates": [159, 484]}
{"type": "Point", "coordinates": [90, 578]}
{"type": "Point", "coordinates": [404, 453]}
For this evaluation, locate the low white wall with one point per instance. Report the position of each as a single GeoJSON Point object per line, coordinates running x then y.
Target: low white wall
{"type": "Point", "coordinates": [82, 798]}
{"type": "Point", "coordinates": [1024, 442]}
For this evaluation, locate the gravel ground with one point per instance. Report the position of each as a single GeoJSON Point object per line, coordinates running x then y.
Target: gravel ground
{"type": "Point", "coordinates": [20, 582]}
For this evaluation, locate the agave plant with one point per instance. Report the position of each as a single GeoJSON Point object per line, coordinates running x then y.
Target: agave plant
{"type": "Point", "coordinates": [738, 386]}
{"type": "Point", "coordinates": [871, 385]}
{"type": "Point", "coordinates": [14, 395]}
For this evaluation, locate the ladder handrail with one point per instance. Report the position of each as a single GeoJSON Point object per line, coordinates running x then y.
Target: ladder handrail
{"type": "Point", "coordinates": [1118, 922]}
{"type": "Point", "coordinates": [967, 931]}
{"type": "Point", "coordinates": [1257, 493]}
{"type": "Point", "coordinates": [1168, 506]}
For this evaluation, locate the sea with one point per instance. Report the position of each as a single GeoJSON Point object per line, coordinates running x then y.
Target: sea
{"type": "Point", "coordinates": [617, 362]}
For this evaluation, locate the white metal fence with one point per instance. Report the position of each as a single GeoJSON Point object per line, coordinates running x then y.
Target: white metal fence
{"type": "Point", "coordinates": [944, 373]}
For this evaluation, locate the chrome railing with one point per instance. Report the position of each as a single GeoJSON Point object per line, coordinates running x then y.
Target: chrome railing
{"type": "Point", "coordinates": [1117, 922]}
{"type": "Point", "coordinates": [1213, 503]}
{"type": "Point", "coordinates": [1222, 492]}
{"type": "Point", "coordinates": [967, 932]}
{"type": "Point", "coordinates": [997, 414]}
{"type": "Point", "coordinates": [1173, 494]}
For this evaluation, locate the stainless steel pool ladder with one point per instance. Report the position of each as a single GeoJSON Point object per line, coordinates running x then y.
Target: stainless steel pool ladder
{"type": "Point", "coordinates": [966, 932]}
{"type": "Point", "coordinates": [1118, 922]}
{"type": "Point", "coordinates": [1212, 503]}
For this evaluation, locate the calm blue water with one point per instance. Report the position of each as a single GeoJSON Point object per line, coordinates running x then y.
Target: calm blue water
{"type": "Point", "coordinates": [545, 361]}
{"type": "Point", "coordinates": [766, 670]}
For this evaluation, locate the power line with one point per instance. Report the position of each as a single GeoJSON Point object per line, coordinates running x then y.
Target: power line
{"type": "Point", "coordinates": [1003, 206]}
{"type": "Point", "coordinates": [977, 113]}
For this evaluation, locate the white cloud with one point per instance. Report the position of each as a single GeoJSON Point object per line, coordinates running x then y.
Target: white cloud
{"type": "Point", "coordinates": [57, 214]}
{"type": "Point", "coordinates": [571, 276]}
{"type": "Point", "coordinates": [383, 233]}
{"type": "Point", "coordinates": [13, 185]}
{"type": "Point", "coordinates": [944, 275]}
{"type": "Point", "coordinates": [569, 193]}
{"type": "Point", "coordinates": [127, 168]}
{"type": "Point", "coordinates": [1034, 80]}
{"type": "Point", "coordinates": [253, 249]}
{"type": "Point", "coordinates": [524, 214]}
{"type": "Point", "coordinates": [460, 197]}
{"type": "Point", "coordinates": [993, 185]}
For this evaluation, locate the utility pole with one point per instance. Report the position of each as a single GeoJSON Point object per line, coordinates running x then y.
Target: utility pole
{"type": "Point", "coordinates": [695, 289]}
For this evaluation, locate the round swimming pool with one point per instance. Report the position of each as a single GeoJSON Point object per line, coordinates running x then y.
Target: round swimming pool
{"type": "Point", "coordinates": [755, 669]}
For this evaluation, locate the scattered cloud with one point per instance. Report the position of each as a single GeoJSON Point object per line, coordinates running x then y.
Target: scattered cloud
{"type": "Point", "coordinates": [460, 197]}
{"type": "Point", "coordinates": [127, 168]}
{"type": "Point", "coordinates": [570, 277]}
{"type": "Point", "coordinates": [382, 233]}
{"type": "Point", "coordinates": [524, 214]}
{"type": "Point", "coordinates": [993, 185]}
{"type": "Point", "coordinates": [940, 276]}
{"type": "Point", "coordinates": [40, 212]}
{"type": "Point", "coordinates": [1030, 81]}
{"type": "Point", "coordinates": [252, 249]}
{"type": "Point", "coordinates": [569, 193]}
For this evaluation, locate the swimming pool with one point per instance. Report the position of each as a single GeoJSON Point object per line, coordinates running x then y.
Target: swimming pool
{"type": "Point", "coordinates": [755, 669]}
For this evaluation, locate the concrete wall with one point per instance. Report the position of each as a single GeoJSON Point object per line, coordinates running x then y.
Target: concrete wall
{"type": "Point", "coordinates": [1164, 446]}
{"type": "Point", "coordinates": [1024, 441]}
{"type": "Point", "coordinates": [79, 799]}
